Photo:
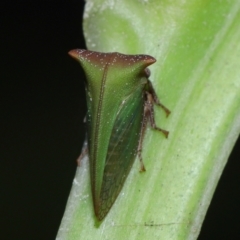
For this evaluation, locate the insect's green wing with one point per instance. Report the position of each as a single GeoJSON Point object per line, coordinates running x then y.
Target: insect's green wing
{"type": "Point", "coordinates": [122, 150]}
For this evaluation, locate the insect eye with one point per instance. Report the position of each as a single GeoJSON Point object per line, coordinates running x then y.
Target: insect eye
{"type": "Point", "coordinates": [147, 72]}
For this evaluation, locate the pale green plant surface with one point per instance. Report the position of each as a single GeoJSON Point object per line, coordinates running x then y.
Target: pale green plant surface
{"type": "Point", "coordinates": [197, 76]}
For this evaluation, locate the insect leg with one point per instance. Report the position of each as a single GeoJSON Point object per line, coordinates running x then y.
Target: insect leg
{"type": "Point", "coordinates": [155, 98]}
{"type": "Point", "coordinates": [150, 113]}
{"type": "Point", "coordinates": [143, 129]}
{"type": "Point", "coordinates": [84, 151]}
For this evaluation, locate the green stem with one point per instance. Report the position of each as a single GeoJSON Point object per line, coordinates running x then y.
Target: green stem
{"type": "Point", "coordinates": [197, 76]}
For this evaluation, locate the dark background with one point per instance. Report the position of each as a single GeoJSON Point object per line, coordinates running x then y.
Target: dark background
{"type": "Point", "coordinates": [41, 131]}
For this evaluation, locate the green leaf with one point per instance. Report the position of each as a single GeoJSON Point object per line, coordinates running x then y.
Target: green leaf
{"type": "Point", "coordinates": [197, 76]}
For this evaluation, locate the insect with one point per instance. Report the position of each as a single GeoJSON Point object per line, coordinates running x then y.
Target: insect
{"type": "Point", "coordinates": [120, 100]}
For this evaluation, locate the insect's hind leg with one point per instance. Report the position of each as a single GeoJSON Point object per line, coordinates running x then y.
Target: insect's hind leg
{"type": "Point", "coordinates": [84, 151]}
{"type": "Point", "coordinates": [139, 150]}
{"type": "Point", "coordinates": [151, 99]}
